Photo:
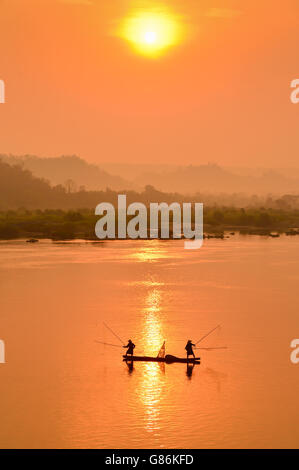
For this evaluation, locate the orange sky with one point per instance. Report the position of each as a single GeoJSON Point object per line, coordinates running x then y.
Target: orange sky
{"type": "Point", "coordinates": [222, 95]}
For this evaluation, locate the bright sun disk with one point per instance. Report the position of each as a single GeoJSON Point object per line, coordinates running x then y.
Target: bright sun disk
{"type": "Point", "coordinates": [151, 33]}
{"type": "Point", "coordinates": [150, 37]}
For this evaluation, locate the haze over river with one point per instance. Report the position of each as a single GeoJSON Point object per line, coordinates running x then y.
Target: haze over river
{"type": "Point", "coordinates": [59, 388]}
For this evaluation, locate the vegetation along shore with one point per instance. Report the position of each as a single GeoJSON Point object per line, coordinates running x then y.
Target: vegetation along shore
{"type": "Point", "coordinates": [79, 224]}
{"type": "Point", "coordinates": [39, 210]}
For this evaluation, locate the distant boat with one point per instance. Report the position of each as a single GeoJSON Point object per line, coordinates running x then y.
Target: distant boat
{"type": "Point", "coordinates": [32, 240]}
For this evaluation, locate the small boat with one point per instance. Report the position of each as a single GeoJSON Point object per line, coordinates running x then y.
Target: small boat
{"type": "Point", "coordinates": [169, 359]}
{"type": "Point", "coordinates": [161, 357]}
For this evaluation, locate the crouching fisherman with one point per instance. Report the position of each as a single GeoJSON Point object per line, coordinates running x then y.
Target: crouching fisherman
{"type": "Point", "coordinates": [189, 349]}
{"type": "Point", "coordinates": [130, 347]}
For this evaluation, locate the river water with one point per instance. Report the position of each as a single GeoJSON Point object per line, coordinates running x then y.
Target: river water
{"type": "Point", "coordinates": [59, 388]}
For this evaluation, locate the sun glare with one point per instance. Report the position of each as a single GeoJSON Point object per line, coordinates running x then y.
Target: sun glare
{"type": "Point", "coordinates": [151, 33]}
{"type": "Point", "coordinates": [150, 37]}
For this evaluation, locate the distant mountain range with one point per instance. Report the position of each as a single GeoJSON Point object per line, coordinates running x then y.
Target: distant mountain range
{"type": "Point", "coordinates": [21, 190]}
{"type": "Point", "coordinates": [69, 171]}
{"type": "Point", "coordinates": [76, 174]}
{"type": "Point", "coordinates": [214, 179]}
{"type": "Point", "coordinates": [210, 178]}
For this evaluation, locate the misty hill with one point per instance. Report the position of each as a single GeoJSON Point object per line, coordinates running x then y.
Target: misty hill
{"type": "Point", "coordinates": [75, 174]}
{"type": "Point", "coordinates": [215, 179]}
{"type": "Point", "coordinates": [30, 207]}
{"type": "Point", "coordinates": [20, 189]}
{"type": "Point", "coordinates": [210, 179]}
{"type": "Point", "coordinates": [71, 171]}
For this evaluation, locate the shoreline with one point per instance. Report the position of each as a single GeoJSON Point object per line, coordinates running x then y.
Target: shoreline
{"type": "Point", "coordinates": [35, 237]}
{"type": "Point", "coordinates": [80, 224]}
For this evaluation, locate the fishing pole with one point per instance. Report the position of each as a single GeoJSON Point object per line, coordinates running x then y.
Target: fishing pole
{"type": "Point", "coordinates": [116, 336]}
{"type": "Point", "coordinates": [208, 349]}
{"type": "Point", "coordinates": [208, 334]}
{"type": "Point", "coordinates": [108, 344]}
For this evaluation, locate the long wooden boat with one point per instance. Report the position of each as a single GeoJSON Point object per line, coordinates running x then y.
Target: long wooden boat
{"type": "Point", "coordinates": [169, 359]}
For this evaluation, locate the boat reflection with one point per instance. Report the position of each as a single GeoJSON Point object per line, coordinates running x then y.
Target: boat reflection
{"type": "Point", "coordinates": [130, 365]}
{"type": "Point", "coordinates": [189, 370]}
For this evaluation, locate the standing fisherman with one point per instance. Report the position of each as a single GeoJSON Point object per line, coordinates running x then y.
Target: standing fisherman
{"type": "Point", "coordinates": [130, 347]}
{"type": "Point", "coordinates": [189, 349]}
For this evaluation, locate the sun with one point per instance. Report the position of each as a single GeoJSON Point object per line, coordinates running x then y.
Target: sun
{"type": "Point", "coordinates": [150, 37]}
{"type": "Point", "coordinates": [151, 33]}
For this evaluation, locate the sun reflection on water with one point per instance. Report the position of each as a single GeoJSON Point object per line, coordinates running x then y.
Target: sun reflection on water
{"type": "Point", "coordinates": [152, 253]}
{"type": "Point", "coordinates": [151, 389]}
{"type": "Point", "coordinates": [150, 392]}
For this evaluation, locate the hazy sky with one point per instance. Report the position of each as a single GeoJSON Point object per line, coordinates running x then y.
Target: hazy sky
{"type": "Point", "coordinates": [222, 94]}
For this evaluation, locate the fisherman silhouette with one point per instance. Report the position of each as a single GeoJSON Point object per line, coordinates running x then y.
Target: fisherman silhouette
{"type": "Point", "coordinates": [130, 347]}
{"type": "Point", "coordinates": [189, 349]}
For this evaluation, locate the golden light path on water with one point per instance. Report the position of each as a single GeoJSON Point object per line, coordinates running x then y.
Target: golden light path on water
{"type": "Point", "coordinates": [150, 389]}
{"type": "Point", "coordinates": [151, 386]}
{"type": "Point", "coordinates": [152, 31]}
